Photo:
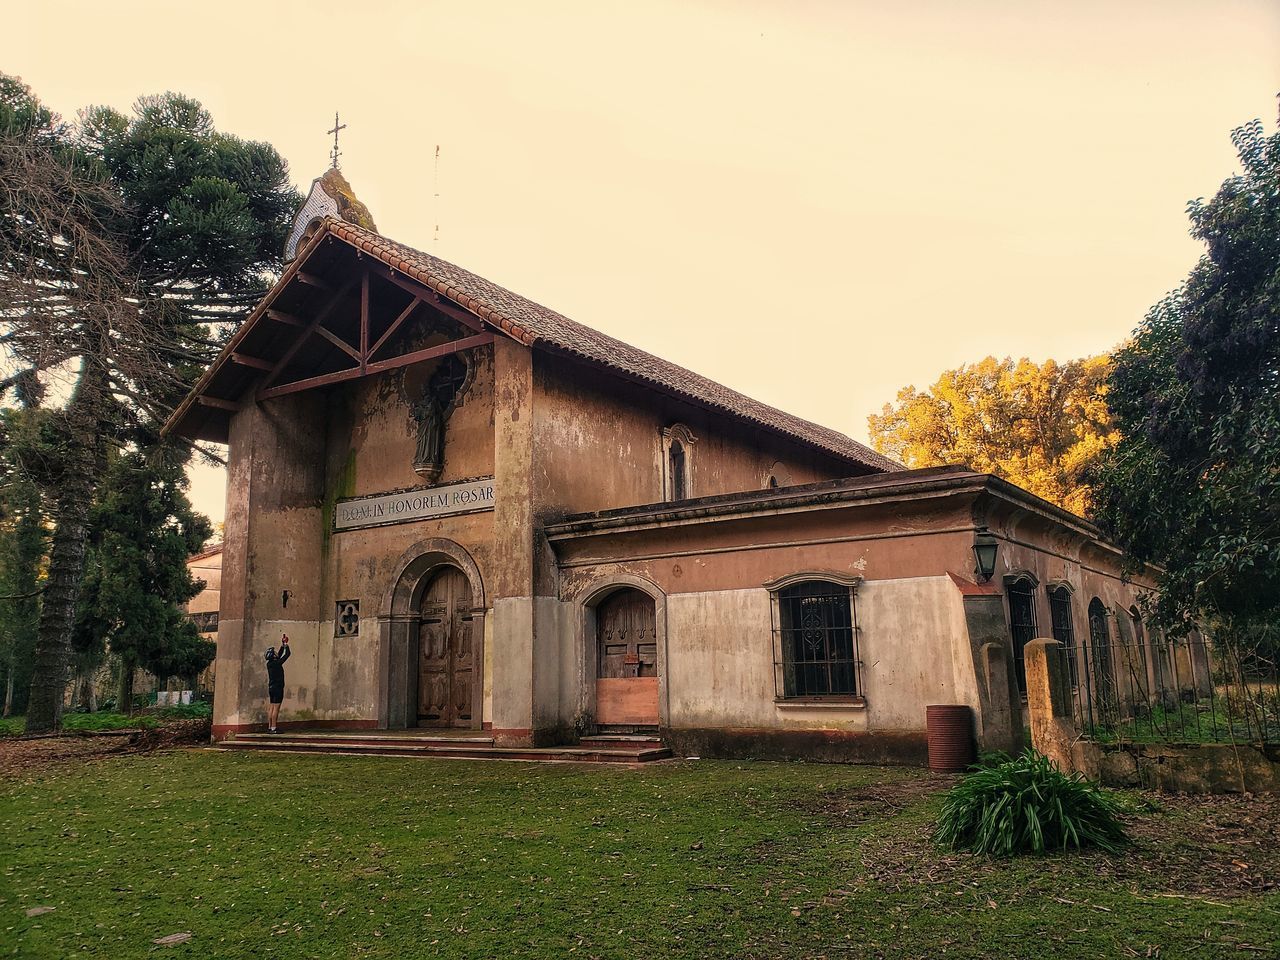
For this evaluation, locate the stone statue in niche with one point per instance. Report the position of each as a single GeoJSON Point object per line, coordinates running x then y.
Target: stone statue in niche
{"type": "Point", "coordinates": [432, 411]}
{"type": "Point", "coordinates": [428, 458]}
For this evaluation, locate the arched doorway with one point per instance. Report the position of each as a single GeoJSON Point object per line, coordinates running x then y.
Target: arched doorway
{"type": "Point", "coordinates": [626, 660]}
{"type": "Point", "coordinates": [446, 651]}
{"type": "Point", "coordinates": [431, 633]}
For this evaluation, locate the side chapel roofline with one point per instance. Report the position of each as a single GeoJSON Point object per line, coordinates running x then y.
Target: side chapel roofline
{"type": "Point", "coordinates": [537, 326]}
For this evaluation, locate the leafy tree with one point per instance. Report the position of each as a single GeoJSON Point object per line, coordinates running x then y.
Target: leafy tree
{"type": "Point", "coordinates": [143, 529]}
{"type": "Point", "coordinates": [1037, 425]}
{"type": "Point", "coordinates": [127, 243]}
{"type": "Point", "coordinates": [1194, 485]}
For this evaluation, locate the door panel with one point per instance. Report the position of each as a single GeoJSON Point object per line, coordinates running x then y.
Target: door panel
{"type": "Point", "coordinates": [626, 660]}
{"type": "Point", "coordinates": [446, 656]}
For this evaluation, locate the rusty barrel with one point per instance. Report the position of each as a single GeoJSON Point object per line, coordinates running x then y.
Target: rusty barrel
{"type": "Point", "coordinates": [950, 730]}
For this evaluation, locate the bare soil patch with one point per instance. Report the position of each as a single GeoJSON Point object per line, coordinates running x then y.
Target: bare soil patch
{"type": "Point", "coordinates": [23, 756]}
{"type": "Point", "coordinates": [1204, 846]}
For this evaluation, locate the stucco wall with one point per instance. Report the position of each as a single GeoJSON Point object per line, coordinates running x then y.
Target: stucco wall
{"type": "Point", "coordinates": [911, 640]}
{"type": "Point", "coordinates": [599, 440]}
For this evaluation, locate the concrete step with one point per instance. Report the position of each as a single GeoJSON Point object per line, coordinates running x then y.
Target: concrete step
{"type": "Point", "coordinates": [413, 747]}
{"type": "Point", "coordinates": [621, 741]}
{"type": "Point", "coordinates": [371, 737]}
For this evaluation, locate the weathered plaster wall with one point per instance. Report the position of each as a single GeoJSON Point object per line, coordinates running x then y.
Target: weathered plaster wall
{"type": "Point", "coordinates": [922, 639]}
{"type": "Point", "coordinates": [291, 459]}
{"type": "Point", "coordinates": [600, 444]}
{"type": "Point", "coordinates": [513, 649]}
{"type": "Point", "coordinates": [273, 524]}
{"type": "Point", "coordinates": [721, 659]}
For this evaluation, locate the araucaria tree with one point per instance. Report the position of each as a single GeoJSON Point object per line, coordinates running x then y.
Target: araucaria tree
{"type": "Point", "coordinates": [1194, 485]}
{"type": "Point", "coordinates": [1040, 426]}
{"type": "Point", "coordinates": [127, 243]}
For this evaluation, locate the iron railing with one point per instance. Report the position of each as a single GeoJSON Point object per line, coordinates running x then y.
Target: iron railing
{"type": "Point", "coordinates": [1191, 690]}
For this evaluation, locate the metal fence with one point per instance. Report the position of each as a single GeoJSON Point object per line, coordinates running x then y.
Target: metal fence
{"type": "Point", "coordinates": [1152, 689]}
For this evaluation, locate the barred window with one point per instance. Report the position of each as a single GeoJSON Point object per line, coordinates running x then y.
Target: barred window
{"type": "Point", "coordinates": [816, 641]}
{"type": "Point", "coordinates": [1022, 625]}
{"type": "Point", "coordinates": [1064, 630]}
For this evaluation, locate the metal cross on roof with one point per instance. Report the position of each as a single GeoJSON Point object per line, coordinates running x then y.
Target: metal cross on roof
{"type": "Point", "coordinates": [336, 153]}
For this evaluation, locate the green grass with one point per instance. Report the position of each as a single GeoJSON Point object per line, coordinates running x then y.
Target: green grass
{"type": "Point", "coordinates": [261, 855]}
{"type": "Point", "coordinates": [1206, 722]}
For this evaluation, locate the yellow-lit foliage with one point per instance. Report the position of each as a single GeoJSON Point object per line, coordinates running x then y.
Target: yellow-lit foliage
{"type": "Point", "coordinates": [1036, 425]}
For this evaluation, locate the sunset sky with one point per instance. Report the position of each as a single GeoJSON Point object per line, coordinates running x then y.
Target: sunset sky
{"type": "Point", "coordinates": [814, 203]}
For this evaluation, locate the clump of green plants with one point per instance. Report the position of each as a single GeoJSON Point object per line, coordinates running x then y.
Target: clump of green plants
{"type": "Point", "coordinates": [185, 711]}
{"type": "Point", "coordinates": [1028, 805]}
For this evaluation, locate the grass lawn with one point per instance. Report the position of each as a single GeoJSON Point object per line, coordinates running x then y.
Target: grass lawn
{"type": "Point", "coordinates": [259, 855]}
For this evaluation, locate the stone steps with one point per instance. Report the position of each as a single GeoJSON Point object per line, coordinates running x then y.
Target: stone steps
{"type": "Point", "coordinates": [598, 750]}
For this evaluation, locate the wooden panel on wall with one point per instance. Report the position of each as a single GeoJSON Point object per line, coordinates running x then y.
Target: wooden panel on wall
{"type": "Point", "coordinates": [632, 700]}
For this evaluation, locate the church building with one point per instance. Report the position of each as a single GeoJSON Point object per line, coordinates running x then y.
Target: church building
{"type": "Point", "coordinates": [468, 511]}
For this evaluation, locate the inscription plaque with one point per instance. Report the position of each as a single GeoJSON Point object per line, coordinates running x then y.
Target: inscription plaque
{"type": "Point", "coordinates": [470, 496]}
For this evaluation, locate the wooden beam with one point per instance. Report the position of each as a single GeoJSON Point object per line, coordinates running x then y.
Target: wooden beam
{"type": "Point", "coordinates": [337, 341]}
{"type": "Point", "coordinates": [327, 379]}
{"type": "Point", "coordinates": [320, 318]}
{"type": "Point", "coordinates": [217, 403]}
{"type": "Point", "coordinates": [288, 319]}
{"type": "Point", "coordinates": [453, 346]}
{"type": "Point", "coordinates": [247, 361]}
{"type": "Point", "coordinates": [364, 320]}
{"type": "Point", "coordinates": [311, 280]}
{"type": "Point", "coordinates": [443, 304]}
{"type": "Point", "coordinates": [404, 315]}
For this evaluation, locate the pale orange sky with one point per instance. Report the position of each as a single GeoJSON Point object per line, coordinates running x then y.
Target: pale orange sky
{"type": "Point", "coordinates": [814, 203]}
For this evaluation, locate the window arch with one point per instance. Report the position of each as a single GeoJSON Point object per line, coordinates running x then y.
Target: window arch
{"type": "Point", "coordinates": [815, 639]}
{"type": "Point", "coordinates": [1022, 624]}
{"type": "Point", "coordinates": [677, 462]}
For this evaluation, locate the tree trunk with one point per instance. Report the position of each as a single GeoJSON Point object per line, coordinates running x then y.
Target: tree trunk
{"type": "Point", "coordinates": [8, 692]}
{"type": "Point", "coordinates": [83, 463]}
{"type": "Point", "coordinates": [124, 701]}
{"type": "Point", "coordinates": [87, 698]}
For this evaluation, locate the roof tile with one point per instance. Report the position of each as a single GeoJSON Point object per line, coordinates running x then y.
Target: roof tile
{"type": "Point", "coordinates": [538, 326]}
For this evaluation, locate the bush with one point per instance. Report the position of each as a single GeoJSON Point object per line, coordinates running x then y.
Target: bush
{"type": "Point", "coordinates": [185, 711]}
{"type": "Point", "coordinates": [1027, 805]}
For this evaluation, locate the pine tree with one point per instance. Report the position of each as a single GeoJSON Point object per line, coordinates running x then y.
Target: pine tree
{"type": "Point", "coordinates": [143, 529]}
{"type": "Point", "coordinates": [23, 543]}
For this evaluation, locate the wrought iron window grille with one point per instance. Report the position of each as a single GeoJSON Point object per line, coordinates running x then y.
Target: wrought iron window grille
{"type": "Point", "coordinates": [816, 640]}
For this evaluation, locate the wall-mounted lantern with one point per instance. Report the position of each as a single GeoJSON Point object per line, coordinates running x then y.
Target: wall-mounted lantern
{"type": "Point", "coordinates": [985, 547]}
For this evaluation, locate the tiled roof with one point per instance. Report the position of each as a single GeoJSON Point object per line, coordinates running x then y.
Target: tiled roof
{"type": "Point", "coordinates": [536, 326]}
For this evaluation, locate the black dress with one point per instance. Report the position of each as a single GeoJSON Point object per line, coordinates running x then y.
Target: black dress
{"type": "Point", "coordinates": [275, 676]}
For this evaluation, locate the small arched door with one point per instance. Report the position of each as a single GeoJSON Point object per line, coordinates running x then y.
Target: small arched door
{"type": "Point", "coordinates": [446, 657]}
{"type": "Point", "coordinates": [626, 660]}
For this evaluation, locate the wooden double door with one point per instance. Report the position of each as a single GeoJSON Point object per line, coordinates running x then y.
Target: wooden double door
{"type": "Point", "coordinates": [446, 652]}
{"type": "Point", "coordinates": [626, 660]}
